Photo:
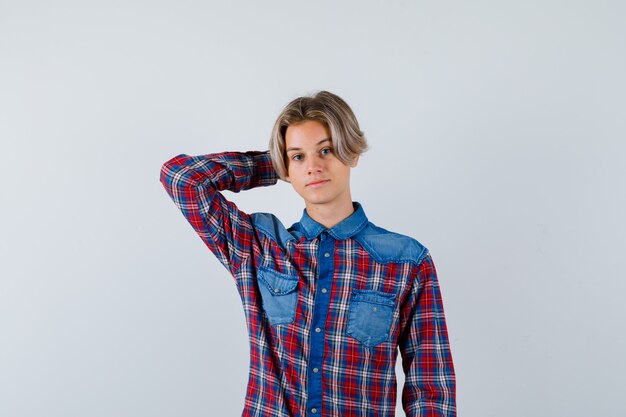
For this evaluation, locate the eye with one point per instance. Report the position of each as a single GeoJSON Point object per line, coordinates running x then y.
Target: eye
{"type": "Point", "coordinates": [326, 151]}
{"type": "Point", "coordinates": [296, 157]}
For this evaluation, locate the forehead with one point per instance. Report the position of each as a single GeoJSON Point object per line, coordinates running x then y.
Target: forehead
{"type": "Point", "coordinates": [306, 134]}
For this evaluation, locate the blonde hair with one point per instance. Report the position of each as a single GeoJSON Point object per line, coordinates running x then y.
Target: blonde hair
{"type": "Point", "coordinates": [330, 110]}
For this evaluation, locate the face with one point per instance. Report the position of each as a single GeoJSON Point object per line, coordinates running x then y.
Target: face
{"type": "Point", "coordinates": [313, 169]}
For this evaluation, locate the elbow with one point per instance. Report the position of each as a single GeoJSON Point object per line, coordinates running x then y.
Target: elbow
{"type": "Point", "coordinates": [172, 169]}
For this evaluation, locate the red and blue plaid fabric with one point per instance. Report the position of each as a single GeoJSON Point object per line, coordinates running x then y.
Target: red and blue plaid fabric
{"type": "Point", "coordinates": [327, 309]}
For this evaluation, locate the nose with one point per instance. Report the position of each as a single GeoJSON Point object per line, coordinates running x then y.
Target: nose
{"type": "Point", "coordinates": [315, 165]}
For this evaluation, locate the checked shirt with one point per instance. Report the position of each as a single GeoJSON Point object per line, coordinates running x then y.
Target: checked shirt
{"type": "Point", "coordinates": [327, 310]}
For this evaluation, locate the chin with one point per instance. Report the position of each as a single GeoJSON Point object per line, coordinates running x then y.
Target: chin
{"type": "Point", "coordinates": [319, 200]}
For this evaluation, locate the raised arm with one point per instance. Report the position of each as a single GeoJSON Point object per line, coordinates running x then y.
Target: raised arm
{"type": "Point", "coordinates": [194, 184]}
{"type": "Point", "coordinates": [430, 384]}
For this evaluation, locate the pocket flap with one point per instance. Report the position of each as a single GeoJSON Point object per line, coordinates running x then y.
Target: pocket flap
{"type": "Point", "coordinates": [278, 282]}
{"type": "Point", "coordinates": [373, 296]}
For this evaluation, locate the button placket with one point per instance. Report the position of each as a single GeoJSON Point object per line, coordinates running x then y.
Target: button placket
{"type": "Point", "coordinates": [318, 324]}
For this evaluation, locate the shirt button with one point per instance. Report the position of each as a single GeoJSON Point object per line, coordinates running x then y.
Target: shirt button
{"type": "Point", "coordinates": [324, 290]}
{"type": "Point", "coordinates": [317, 329]}
{"type": "Point", "coordinates": [326, 255]}
{"type": "Point", "coordinates": [314, 410]}
{"type": "Point", "coordinates": [374, 309]}
{"type": "Point", "coordinates": [315, 370]}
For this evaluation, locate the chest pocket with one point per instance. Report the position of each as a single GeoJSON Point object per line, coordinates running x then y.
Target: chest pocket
{"type": "Point", "coordinates": [370, 316]}
{"type": "Point", "coordinates": [278, 291]}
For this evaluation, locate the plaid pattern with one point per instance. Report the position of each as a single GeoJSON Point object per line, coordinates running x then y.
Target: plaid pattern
{"type": "Point", "coordinates": [326, 309]}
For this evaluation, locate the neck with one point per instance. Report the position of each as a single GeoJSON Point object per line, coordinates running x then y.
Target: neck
{"type": "Point", "coordinates": [328, 215]}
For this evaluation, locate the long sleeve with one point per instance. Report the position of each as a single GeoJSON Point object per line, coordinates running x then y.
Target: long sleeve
{"type": "Point", "coordinates": [430, 384]}
{"type": "Point", "coordinates": [194, 184]}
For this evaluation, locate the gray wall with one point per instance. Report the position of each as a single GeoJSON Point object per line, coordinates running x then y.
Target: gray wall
{"type": "Point", "coordinates": [497, 131]}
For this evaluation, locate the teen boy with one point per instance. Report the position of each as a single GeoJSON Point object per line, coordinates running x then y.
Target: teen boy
{"type": "Point", "coordinates": [329, 300]}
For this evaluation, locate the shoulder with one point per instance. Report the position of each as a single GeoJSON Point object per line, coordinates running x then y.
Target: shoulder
{"type": "Point", "coordinates": [386, 246]}
{"type": "Point", "coordinates": [269, 225]}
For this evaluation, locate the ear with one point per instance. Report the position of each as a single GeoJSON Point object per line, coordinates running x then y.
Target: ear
{"type": "Point", "coordinates": [286, 169]}
{"type": "Point", "coordinates": [355, 161]}
{"type": "Point", "coordinates": [287, 179]}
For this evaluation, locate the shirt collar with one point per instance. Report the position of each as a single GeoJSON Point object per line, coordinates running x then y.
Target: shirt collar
{"type": "Point", "coordinates": [346, 228]}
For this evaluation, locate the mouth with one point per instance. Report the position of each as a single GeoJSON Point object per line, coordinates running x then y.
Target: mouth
{"type": "Point", "coordinates": [317, 183]}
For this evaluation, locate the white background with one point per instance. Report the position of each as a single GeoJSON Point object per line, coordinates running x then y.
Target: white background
{"type": "Point", "coordinates": [497, 133]}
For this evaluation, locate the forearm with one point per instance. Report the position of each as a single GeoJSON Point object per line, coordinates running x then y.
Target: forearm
{"type": "Point", "coordinates": [232, 171]}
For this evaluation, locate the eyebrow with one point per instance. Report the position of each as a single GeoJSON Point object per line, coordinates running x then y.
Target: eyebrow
{"type": "Point", "coordinates": [293, 148]}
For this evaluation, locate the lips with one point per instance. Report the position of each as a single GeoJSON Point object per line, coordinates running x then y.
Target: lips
{"type": "Point", "coordinates": [320, 182]}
